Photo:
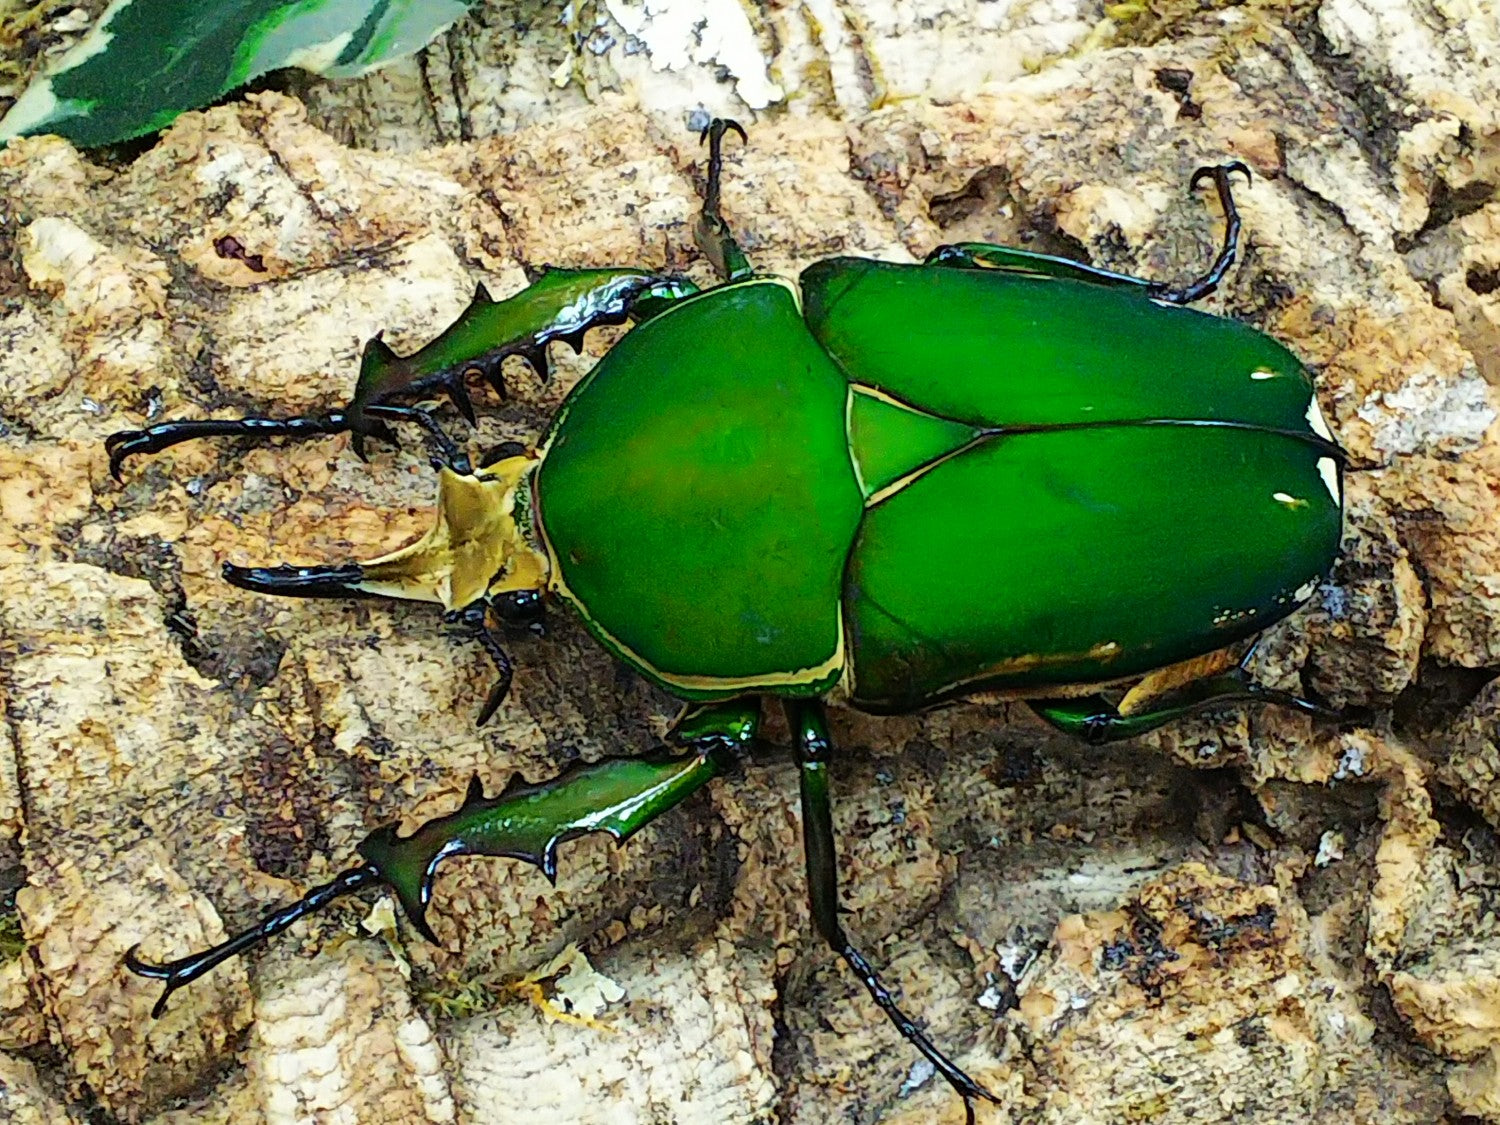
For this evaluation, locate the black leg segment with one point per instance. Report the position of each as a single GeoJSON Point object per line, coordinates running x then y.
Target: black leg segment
{"type": "Point", "coordinates": [185, 970]}
{"type": "Point", "coordinates": [1096, 720]}
{"type": "Point", "coordinates": [164, 435]}
{"type": "Point", "coordinates": [374, 423]}
{"type": "Point", "coordinates": [809, 728]}
{"type": "Point", "coordinates": [341, 580]}
{"type": "Point", "coordinates": [1206, 284]}
{"type": "Point", "coordinates": [473, 621]}
{"type": "Point", "coordinates": [712, 233]}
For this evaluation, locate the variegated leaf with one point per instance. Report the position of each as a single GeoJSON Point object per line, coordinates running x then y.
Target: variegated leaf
{"type": "Point", "coordinates": [146, 61]}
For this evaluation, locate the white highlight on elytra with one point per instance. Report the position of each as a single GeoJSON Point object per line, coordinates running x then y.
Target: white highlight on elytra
{"type": "Point", "coordinates": [1316, 420]}
{"type": "Point", "coordinates": [1329, 471]}
{"type": "Point", "coordinates": [1288, 499]}
{"type": "Point", "coordinates": [1232, 616]}
{"type": "Point", "coordinates": [1262, 373]}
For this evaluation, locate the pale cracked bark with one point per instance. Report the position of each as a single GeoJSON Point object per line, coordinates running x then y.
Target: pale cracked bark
{"type": "Point", "coordinates": [24, 1099]}
{"type": "Point", "coordinates": [1180, 944]}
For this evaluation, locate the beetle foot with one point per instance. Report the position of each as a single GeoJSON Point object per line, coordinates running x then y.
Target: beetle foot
{"type": "Point", "coordinates": [473, 621]}
{"type": "Point", "coordinates": [184, 970]}
{"type": "Point", "coordinates": [529, 822]}
{"type": "Point", "coordinates": [173, 972]}
{"type": "Point", "coordinates": [339, 581]}
{"type": "Point", "coordinates": [616, 796]}
{"type": "Point", "coordinates": [126, 444]}
{"type": "Point", "coordinates": [952, 1073]}
{"type": "Point", "coordinates": [153, 439]}
{"type": "Point", "coordinates": [714, 135]}
{"type": "Point", "coordinates": [721, 125]}
{"type": "Point", "coordinates": [1220, 175]}
{"type": "Point", "coordinates": [711, 232]}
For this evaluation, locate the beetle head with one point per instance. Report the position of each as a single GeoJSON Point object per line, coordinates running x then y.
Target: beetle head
{"type": "Point", "coordinates": [477, 545]}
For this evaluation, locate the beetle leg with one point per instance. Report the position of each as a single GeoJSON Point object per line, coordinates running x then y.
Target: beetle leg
{"type": "Point", "coordinates": [711, 232]}
{"type": "Point", "coordinates": [617, 796]}
{"type": "Point", "coordinates": [560, 304]}
{"type": "Point", "coordinates": [473, 621]}
{"type": "Point", "coordinates": [733, 721]}
{"type": "Point", "coordinates": [164, 435]}
{"type": "Point", "coordinates": [185, 970]}
{"type": "Point", "coordinates": [1008, 259]}
{"type": "Point", "coordinates": [153, 439]}
{"type": "Point", "coordinates": [1094, 719]}
{"type": "Point", "coordinates": [1164, 683]}
{"type": "Point", "coordinates": [335, 580]}
{"type": "Point", "coordinates": [1210, 281]}
{"type": "Point", "coordinates": [984, 255]}
{"type": "Point", "coordinates": [446, 453]}
{"type": "Point", "coordinates": [805, 717]}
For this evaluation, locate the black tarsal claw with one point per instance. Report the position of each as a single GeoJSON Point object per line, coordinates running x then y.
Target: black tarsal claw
{"type": "Point", "coordinates": [141, 968]}
{"type": "Point", "coordinates": [373, 428]}
{"type": "Point", "coordinates": [152, 971]}
{"type": "Point", "coordinates": [184, 970]}
{"type": "Point", "coordinates": [119, 447]}
{"type": "Point", "coordinates": [721, 125]}
{"type": "Point", "coordinates": [126, 444]}
{"type": "Point", "coordinates": [1219, 173]}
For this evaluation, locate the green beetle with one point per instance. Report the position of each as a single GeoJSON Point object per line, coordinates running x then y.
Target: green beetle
{"type": "Point", "coordinates": [885, 486]}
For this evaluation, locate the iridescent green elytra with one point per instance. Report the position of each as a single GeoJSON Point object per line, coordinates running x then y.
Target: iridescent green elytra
{"type": "Point", "coordinates": [928, 480]}
{"type": "Point", "coordinates": [884, 485]}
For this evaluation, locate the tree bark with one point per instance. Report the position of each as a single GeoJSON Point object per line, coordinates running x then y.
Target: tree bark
{"type": "Point", "coordinates": [1245, 917]}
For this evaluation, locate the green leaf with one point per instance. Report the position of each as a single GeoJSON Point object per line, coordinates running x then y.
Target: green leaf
{"type": "Point", "coordinates": [146, 61]}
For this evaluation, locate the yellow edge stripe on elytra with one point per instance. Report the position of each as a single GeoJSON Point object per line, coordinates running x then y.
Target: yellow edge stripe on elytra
{"type": "Point", "coordinates": [559, 585]}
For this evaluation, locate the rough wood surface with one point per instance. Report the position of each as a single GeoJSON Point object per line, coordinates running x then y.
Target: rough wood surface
{"type": "Point", "coordinates": [1247, 918]}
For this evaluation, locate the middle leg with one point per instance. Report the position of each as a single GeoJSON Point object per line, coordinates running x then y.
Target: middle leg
{"type": "Point", "coordinates": [810, 729]}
